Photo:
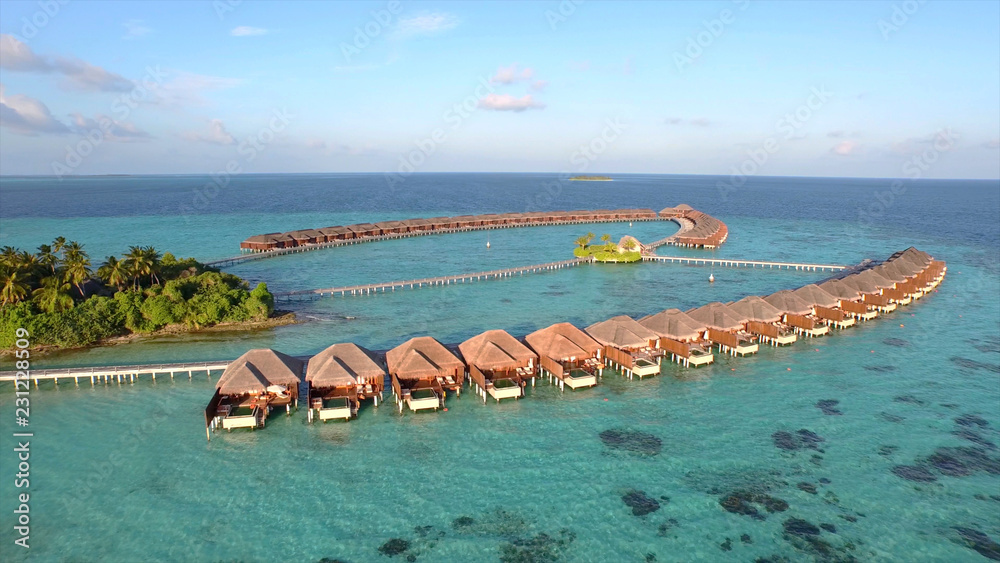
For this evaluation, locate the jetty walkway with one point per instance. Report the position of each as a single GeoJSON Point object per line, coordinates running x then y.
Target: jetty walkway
{"type": "Point", "coordinates": [365, 289]}
{"type": "Point", "coordinates": [737, 263]}
{"type": "Point", "coordinates": [107, 374]}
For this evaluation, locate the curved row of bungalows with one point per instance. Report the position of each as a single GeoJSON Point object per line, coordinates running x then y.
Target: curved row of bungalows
{"type": "Point", "coordinates": [499, 365]}
{"type": "Point", "coordinates": [708, 232]}
{"type": "Point", "coordinates": [422, 372]}
{"type": "Point", "coordinates": [628, 346]}
{"type": "Point", "coordinates": [726, 328]}
{"type": "Point", "coordinates": [291, 239]}
{"type": "Point", "coordinates": [251, 387]}
{"type": "Point", "coordinates": [339, 378]}
{"type": "Point", "coordinates": [680, 336]}
{"type": "Point", "coordinates": [764, 321]}
{"type": "Point", "coordinates": [567, 355]}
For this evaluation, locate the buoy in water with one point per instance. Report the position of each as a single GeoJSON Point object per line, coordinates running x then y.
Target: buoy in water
{"type": "Point", "coordinates": [487, 244]}
{"type": "Point", "coordinates": [711, 278]}
{"type": "Point", "coordinates": [630, 223]}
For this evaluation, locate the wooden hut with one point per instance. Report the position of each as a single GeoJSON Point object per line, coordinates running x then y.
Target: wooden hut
{"type": "Point", "coordinates": [250, 387]}
{"type": "Point", "coordinates": [567, 354]}
{"type": "Point", "coordinates": [422, 372]}
{"type": "Point", "coordinates": [764, 320]}
{"type": "Point", "coordinates": [628, 346]}
{"type": "Point", "coordinates": [680, 336]}
{"type": "Point", "coordinates": [499, 365]}
{"type": "Point", "coordinates": [726, 328]}
{"type": "Point", "coordinates": [850, 299]}
{"type": "Point", "coordinates": [339, 378]}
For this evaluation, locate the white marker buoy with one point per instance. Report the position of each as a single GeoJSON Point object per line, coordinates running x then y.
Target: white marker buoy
{"type": "Point", "coordinates": [711, 278]}
{"type": "Point", "coordinates": [487, 244]}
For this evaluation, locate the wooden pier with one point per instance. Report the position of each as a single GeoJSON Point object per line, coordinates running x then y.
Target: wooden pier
{"type": "Point", "coordinates": [737, 263]}
{"type": "Point", "coordinates": [366, 289]}
{"type": "Point", "coordinates": [685, 226]}
{"type": "Point", "coordinates": [251, 256]}
{"type": "Point", "coordinates": [110, 374]}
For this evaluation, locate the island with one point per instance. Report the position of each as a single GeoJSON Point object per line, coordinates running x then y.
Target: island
{"type": "Point", "coordinates": [627, 250]}
{"type": "Point", "coordinates": [56, 296]}
{"type": "Point", "coordinates": [591, 178]}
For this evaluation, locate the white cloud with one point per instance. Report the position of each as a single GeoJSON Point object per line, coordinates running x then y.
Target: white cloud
{"type": "Point", "coordinates": [539, 85]}
{"type": "Point", "coordinates": [27, 115]}
{"type": "Point", "coordinates": [505, 102]}
{"type": "Point", "coordinates": [217, 134]}
{"type": "Point", "coordinates": [111, 129]}
{"type": "Point", "coordinates": [511, 74]}
{"type": "Point", "coordinates": [80, 75]}
{"type": "Point", "coordinates": [136, 28]}
{"type": "Point", "coordinates": [426, 24]}
{"type": "Point", "coordinates": [246, 31]}
{"type": "Point", "coordinates": [845, 148]}
{"type": "Point", "coordinates": [698, 121]}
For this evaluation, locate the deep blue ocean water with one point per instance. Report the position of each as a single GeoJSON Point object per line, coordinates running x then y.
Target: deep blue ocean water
{"type": "Point", "coordinates": [125, 474]}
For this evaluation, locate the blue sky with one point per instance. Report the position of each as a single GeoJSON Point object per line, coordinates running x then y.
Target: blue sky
{"type": "Point", "coordinates": [872, 89]}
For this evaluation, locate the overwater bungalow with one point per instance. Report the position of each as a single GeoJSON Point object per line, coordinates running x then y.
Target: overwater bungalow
{"type": "Point", "coordinates": [499, 365]}
{"type": "Point", "coordinates": [871, 293]}
{"type": "Point", "coordinates": [250, 387]}
{"type": "Point", "coordinates": [567, 354]}
{"type": "Point", "coordinates": [850, 299]}
{"type": "Point", "coordinates": [680, 336]}
{"type": "Point", "coordinates": [422, 372]}
{"type": "Point", "coordinates": [628, 346]}
{"type": "Point", "coordinates": [339, 378]}
{"type": "Point", "coordinates": [726, 328]}
{"type": "Point", "coordinates": [764, 320]}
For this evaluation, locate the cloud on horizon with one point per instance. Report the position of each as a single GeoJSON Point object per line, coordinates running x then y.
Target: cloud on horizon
{"type": "Point", "coordinates": [506, 102]}
{"type": "Point", "coordinates": [247, 31]}
{"type": "Point", "coordinates": [697, 121]}
{"type": "Point", "coordinates": [511, 74]}
{"type": "Point", "coordinates": [845, 148]}
{"type": "Point", "coordinates": [426, 24]}
{"type": "Point", "coordinates": [217, 134]}
{"type": "Point", "coordinates": [135, 28]}
{"type": "Point", "coordinates": [112, 129]}
{"type": "Point", "coordinates": [79, 75]}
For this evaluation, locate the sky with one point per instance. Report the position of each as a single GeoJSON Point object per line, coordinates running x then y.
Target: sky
{"type": "Point", "coordinates": [904, 89]}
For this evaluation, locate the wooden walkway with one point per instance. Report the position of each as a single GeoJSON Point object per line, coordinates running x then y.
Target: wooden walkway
{"type": "Point", "coordinates": [366, 289]}
{"type": "Point", "coordinates": [249, 257]}
{"type": "Point", "coordinates": [685, 224]}
{"type": "Point", "coordinates": [108, 374]}
{"type": "Point", "coordinates": [737, 263]}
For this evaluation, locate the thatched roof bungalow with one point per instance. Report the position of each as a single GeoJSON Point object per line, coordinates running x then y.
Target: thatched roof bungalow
{"type": "Point", "coordinates": [629, 345]}
{"type": "Point", "coordinates": [499, 365]}
{"type": "Point", "coordinates": [726, 327]}
{"type": "Point", "coordinates": [422, 369]}
{"type": "Point", "coordinates": [251, 386]}
{"type": "Point", "coordinates": [567, 354]}
{"type": "Point", "coordinates": [339, 378]}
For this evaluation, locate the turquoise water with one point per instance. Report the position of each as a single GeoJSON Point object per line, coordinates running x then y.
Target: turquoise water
{"type": "Point", "coordinates": [124, 473]}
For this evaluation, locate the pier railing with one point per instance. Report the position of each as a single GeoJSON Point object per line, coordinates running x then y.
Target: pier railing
{"type": "Point", "coordinates": [737, 263]}
{"type": "Point", "coordinates": [108, 374]}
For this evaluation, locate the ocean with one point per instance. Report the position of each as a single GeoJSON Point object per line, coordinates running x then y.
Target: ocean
{"type": "Point", "coordinates": [731, 462]}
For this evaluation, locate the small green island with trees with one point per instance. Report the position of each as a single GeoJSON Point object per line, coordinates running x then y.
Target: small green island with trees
{"type": "Point", "coordinates": [626, 251]}
{"type": "Point", "coordinates": [56, 296]}
{"type": "Point", "coordinates": [591, 178]}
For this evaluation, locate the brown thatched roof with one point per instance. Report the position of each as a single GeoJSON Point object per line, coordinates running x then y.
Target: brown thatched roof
{"type": "Point", "coordinates": [863, 285]}
{"type": "Point", "coordinates": [787, 301]}
{"type": "Point", "coordinates": [261, 365]}
{"type": "Point", "coordinates": [756, 308]}
{"type": "Point", "coordinates": [891, 271]}
{"type": "Point", "coordinates": [621, 332]}
{"type": "Point", "coordinates": [718, 316]}
{"type": "Point", "coordinates": [878, 279]}
{"type": "Point", "coordinates": [421, 357]}
{"type": "Point", "coordinates": [495, 349]}
{"type": "Point", "coordinates": [817, 295]}
{"type": "Point", "coordinates": [562, 341]}
{"type": "Point", "coordinates": [840, 290]}
{"type": "Point", "coordinates": [675, 324]}
{"type": "Point", "coordinates": [342, 365]}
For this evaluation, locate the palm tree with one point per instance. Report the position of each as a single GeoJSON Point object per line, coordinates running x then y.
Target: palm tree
{"type": "Point", "coordinates": [628, 245]}
{"type": "Point", "coordinates": [72, 250]}
{"type": "Point", "coordinates": [77, 269]}
{"type": "Point", "coordinates": [590, 237]}
{"type": "Point", "coordinates": [9, 256]}
{"type": "Point", "coordinates": [47, 257]}
{"type": "Point", "coordinates": [153, 261]}
{"type": "Point", "coordinates": [113, 272]}
{"type": "Point", "coordinates": [13, 288]}
{"type": "Point", "coordinates": [58, 244]}
{"type": "Point", "coordinates": [53, 296]}
{"type": "Point", "coordinates": [28, 263]}
{"type": "Point", "coordinates": [582, 242]}
{"type": "Point", "coordinates": [136, 263]}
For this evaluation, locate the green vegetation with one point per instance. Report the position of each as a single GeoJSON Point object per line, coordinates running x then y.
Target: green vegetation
{"type": "Point", "coordinates": [56, 297]}
{"type": "Point", "coordinates": [592, 178]}
{"type": "Point", "coordinates": [608, 251]}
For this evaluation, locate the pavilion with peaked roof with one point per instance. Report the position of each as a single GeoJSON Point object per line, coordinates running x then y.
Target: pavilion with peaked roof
{"type": "Point", "coordinates": [628, 345]}
{"type": "Point", "coordinates": [499, 365]}
{"type": "Point", "coordinates": [339, 378]}
{"type": "Point", "coordinates": [422, 371]}
{"type": "Point", "coordinates": [567, 354]}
